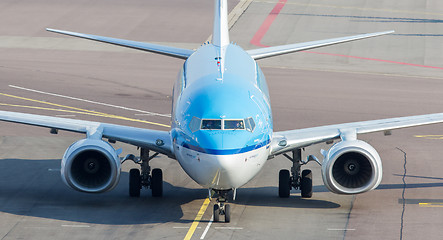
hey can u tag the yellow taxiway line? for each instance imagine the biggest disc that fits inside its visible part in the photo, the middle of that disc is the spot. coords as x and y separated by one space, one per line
197 219
435 137
430 204
74 110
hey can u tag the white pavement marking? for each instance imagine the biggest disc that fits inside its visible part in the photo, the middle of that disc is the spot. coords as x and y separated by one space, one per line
65 115
76 226
54 170
93 102
207 228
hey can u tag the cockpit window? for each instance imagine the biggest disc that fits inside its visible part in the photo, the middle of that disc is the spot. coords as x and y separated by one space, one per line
194 125
234 124
249 124
211 124
222 124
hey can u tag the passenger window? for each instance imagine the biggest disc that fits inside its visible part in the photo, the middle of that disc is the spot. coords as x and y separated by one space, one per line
250 124
211 124
234 124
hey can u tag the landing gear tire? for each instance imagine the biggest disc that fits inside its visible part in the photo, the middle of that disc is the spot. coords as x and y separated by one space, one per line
217 213
157 182
227 213
284 183
306 184
134 183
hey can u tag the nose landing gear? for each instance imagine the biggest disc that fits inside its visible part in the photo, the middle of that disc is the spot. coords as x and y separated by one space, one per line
221 207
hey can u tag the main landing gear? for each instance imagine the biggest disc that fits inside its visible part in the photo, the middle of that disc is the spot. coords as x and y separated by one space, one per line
221 207
297 179
145 179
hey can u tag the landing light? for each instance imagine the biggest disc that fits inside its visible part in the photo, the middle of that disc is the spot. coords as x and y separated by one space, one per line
159 142
282 143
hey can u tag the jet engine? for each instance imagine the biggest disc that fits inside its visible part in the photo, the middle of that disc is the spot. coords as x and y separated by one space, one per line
351 167
91 165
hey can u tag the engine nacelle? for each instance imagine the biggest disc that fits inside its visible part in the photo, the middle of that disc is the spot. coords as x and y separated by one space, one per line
351 167
91 165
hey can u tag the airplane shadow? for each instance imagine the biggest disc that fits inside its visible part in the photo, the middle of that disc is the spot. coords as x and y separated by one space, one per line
422 177
439 183
34 188
268 197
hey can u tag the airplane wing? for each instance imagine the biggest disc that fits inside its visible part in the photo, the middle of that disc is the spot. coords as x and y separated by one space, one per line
159 141
149 47
289 140
290 48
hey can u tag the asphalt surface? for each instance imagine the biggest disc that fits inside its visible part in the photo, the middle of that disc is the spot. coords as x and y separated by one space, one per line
389 76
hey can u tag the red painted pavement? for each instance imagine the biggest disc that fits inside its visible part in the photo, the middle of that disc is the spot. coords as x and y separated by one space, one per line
256 40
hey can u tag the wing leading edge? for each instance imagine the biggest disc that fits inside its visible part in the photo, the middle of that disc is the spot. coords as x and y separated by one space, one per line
149 47
159 141
288 140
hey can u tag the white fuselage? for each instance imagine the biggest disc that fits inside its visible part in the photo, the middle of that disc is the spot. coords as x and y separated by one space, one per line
221 120
222 171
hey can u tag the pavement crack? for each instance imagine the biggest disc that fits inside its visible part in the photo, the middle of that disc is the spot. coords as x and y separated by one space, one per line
403 194
349 217
13 227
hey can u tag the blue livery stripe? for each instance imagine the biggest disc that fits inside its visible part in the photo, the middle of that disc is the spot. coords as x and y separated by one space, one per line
226 151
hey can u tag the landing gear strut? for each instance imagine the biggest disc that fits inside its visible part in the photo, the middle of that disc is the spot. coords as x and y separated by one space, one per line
297 179
145 179
221 207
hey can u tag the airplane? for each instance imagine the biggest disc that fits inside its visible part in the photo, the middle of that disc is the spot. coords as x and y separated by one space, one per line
222 129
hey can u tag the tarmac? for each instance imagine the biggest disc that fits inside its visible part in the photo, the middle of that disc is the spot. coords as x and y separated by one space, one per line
389 76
